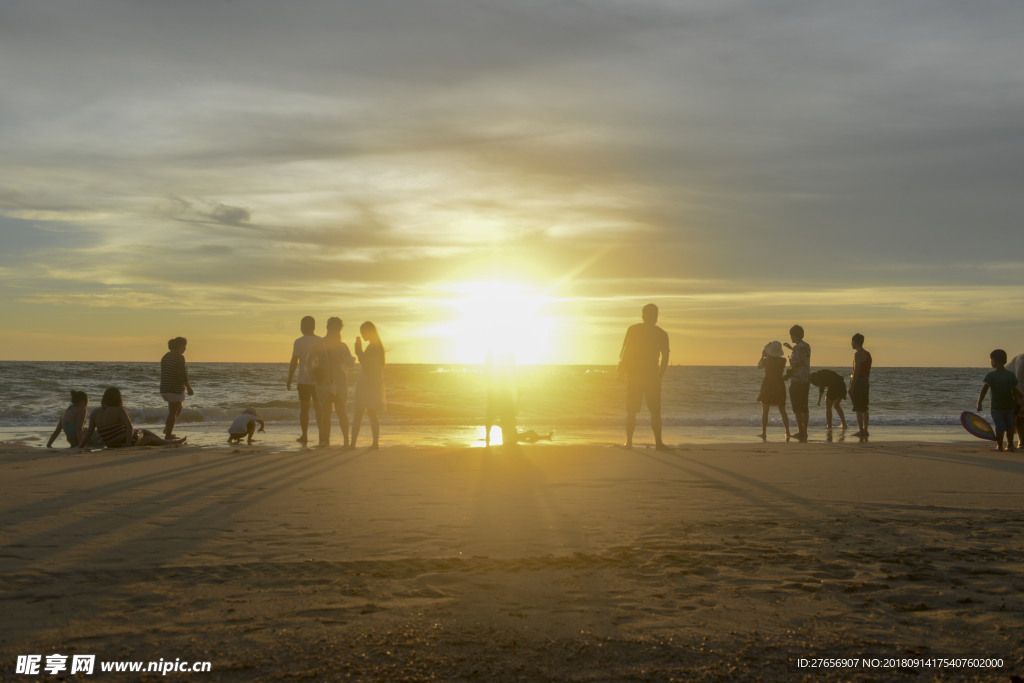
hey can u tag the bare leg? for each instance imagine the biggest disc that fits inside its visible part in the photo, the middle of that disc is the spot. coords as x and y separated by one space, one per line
316 412
840 413
304 421
828 413
764 419
173 410
148 438
374 427
324 424
357 421
656 426
862 423
785 418
630 428
342 411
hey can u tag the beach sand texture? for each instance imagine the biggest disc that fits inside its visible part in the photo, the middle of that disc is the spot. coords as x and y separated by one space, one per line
543 562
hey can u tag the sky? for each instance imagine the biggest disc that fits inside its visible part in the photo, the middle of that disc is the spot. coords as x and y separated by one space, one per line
461 170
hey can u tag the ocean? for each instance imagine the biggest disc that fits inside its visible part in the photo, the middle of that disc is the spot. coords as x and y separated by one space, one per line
445 404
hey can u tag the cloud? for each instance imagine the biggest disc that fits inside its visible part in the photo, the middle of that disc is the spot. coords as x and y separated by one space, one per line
186 155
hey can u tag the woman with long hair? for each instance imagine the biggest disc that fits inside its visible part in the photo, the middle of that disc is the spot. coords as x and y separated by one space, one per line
342 361
370 395
112 423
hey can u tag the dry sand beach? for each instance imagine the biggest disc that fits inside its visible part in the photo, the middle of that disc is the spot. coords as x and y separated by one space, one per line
544 562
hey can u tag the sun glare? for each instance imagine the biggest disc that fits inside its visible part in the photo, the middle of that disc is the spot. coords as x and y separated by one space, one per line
503 318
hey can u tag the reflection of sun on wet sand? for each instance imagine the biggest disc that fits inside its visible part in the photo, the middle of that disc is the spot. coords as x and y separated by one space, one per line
535 562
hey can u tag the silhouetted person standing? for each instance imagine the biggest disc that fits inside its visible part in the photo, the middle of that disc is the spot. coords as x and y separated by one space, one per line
174 382
306 386
371 396
800 384
859 382
638 361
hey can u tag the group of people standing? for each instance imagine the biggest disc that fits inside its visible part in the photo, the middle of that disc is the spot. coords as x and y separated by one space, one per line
773 386
643 361
320 367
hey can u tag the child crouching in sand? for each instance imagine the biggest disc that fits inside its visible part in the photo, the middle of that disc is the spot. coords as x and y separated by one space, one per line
245 426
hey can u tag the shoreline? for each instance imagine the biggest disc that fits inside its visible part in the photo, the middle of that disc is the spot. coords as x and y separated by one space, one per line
283 436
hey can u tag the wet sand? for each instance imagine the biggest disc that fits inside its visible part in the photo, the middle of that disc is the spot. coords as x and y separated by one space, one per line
543 562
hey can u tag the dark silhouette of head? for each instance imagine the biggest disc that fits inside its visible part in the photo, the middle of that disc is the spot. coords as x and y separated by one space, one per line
650 313
796 333
308 325
999 356
79 397
858 340
177 344
334 325
112 398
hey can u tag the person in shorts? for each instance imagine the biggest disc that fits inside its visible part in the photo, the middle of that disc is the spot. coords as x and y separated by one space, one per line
833 382
799 375
1003 385
245 426
639 362
859 387
306 385
174 382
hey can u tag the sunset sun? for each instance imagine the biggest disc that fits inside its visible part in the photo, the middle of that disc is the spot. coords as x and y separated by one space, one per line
500 317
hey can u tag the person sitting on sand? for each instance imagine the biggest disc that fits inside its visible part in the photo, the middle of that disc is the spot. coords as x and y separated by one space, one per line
836 386
773 387
859 386
245 425
1003 384
638 362
112 423
371 396
503 401
72 422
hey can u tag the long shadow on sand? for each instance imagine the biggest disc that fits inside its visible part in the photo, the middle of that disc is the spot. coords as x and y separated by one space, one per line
276 475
